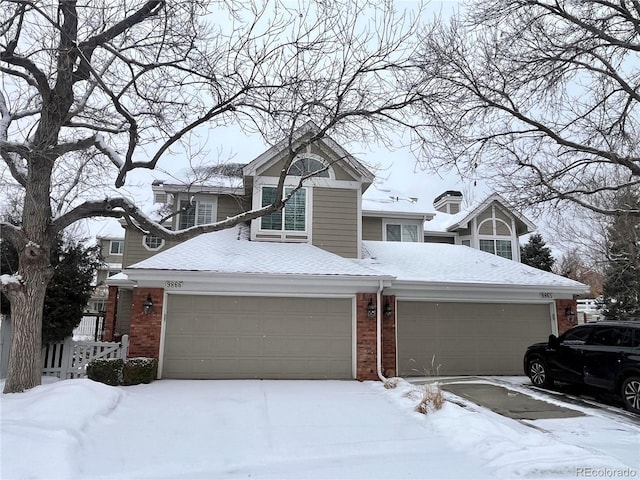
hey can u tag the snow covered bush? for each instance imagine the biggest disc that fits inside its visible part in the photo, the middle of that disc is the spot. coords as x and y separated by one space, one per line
106 370
139 370
115 371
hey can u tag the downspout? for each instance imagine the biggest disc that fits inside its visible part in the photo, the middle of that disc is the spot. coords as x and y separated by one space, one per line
379 332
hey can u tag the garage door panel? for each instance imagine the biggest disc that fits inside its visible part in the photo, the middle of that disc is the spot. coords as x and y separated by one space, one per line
224 345
467 338
296 367
257 337
201 345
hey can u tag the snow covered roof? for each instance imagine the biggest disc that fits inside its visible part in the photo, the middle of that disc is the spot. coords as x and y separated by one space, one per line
444 263
230 251
107 229
444 222
380 200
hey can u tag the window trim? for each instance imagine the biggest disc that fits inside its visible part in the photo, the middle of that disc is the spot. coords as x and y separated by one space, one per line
197 203
401 223
144 243
121 249
495 239
282 230
312 156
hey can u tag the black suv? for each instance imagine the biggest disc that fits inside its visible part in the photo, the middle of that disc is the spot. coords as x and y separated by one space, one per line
602 354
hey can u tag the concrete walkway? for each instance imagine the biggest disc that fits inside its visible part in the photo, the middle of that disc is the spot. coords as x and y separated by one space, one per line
508 403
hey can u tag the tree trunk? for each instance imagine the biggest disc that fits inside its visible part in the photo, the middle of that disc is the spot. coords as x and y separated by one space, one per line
27 297
25 369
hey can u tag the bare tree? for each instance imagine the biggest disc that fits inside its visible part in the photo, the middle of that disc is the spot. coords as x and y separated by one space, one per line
577 266
93 90
541 98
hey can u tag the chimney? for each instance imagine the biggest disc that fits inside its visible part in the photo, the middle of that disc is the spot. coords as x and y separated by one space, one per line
449 202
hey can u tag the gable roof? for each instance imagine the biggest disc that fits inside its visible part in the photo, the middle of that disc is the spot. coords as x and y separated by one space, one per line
444 222
309 128
457 264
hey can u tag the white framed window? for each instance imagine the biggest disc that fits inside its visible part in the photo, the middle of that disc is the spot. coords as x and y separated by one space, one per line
99 305
502 248
466 242
152 242
401 232
195 213
292 218
116 247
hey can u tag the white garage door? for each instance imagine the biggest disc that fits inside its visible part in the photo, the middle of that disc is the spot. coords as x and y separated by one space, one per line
467 338
213 337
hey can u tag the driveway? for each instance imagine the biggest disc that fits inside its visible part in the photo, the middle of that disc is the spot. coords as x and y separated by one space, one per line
272 429
171 429
516 398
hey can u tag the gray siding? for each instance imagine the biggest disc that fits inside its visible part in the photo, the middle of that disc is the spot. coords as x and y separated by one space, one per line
502 215
101 276
135 251
335 221
502 229
230 206
105 251
487 213
372 228
486 228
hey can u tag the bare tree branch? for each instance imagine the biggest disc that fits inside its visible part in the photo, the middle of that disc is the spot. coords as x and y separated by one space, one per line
540 98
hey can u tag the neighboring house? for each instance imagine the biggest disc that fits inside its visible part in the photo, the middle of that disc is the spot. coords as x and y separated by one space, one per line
111 251
344 282
589 310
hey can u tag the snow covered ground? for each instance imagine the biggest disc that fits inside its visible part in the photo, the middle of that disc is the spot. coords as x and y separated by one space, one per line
170 429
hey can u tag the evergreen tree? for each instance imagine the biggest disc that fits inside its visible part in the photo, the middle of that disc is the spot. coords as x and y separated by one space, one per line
621 289
536 254
74 267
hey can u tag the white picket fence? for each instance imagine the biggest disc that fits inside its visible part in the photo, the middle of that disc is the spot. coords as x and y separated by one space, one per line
90 327
69 359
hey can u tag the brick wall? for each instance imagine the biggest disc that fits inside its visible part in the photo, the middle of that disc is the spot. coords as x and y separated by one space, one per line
564 323
365 338
145 327
110 314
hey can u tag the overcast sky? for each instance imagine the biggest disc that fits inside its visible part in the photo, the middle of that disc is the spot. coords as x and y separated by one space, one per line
396 169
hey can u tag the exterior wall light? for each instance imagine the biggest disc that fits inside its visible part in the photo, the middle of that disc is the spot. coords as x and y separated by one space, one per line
371 309
387 310
570 314
147 305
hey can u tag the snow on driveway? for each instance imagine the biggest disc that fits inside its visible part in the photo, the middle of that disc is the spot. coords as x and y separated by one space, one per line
173 429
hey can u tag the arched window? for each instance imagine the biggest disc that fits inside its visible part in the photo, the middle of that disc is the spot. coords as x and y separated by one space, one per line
307 165
495 237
